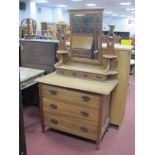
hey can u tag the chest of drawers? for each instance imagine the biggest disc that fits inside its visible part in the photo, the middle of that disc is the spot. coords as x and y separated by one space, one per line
69 108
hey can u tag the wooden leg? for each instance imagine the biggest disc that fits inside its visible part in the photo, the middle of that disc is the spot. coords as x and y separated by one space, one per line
43 128
98 142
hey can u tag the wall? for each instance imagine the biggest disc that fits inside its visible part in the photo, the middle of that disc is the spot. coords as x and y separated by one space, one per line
44 14
53 15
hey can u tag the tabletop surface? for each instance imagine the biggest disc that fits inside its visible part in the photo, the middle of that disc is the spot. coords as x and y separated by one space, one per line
40 40
79 84
28 73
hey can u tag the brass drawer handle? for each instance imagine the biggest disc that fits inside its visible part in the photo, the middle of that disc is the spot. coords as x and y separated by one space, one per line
83 129
74 74
84 114
61 72
85 76
85 98
98 77
53 106
53 121
53 92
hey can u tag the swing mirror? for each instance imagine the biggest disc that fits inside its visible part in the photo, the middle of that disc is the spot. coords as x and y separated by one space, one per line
86 25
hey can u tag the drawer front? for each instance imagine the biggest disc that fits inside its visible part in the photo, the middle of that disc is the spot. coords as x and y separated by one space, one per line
72 126
83 99
50 105
92 76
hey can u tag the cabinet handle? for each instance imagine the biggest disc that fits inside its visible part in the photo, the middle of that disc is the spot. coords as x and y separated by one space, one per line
85 76
98 77
74 74
61 72
85 98
83 129
53 121
84 114
53 106
53 92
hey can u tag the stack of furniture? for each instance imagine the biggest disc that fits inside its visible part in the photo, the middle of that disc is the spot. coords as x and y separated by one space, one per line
76 98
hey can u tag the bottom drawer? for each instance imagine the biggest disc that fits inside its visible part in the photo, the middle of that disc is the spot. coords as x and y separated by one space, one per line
71 126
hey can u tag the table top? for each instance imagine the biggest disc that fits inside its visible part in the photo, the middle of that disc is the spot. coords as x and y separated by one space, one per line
39 40
79 84
28 73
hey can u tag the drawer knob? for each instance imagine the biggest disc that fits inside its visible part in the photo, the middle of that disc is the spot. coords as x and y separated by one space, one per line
53 106
53 92
84 114
53 121
83 129
85 98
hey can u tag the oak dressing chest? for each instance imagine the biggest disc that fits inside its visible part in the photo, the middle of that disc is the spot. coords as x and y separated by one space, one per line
76 98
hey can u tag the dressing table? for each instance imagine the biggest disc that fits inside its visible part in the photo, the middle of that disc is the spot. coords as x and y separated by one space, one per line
76 97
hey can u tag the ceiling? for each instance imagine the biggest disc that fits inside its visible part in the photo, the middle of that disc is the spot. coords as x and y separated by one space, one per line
109 5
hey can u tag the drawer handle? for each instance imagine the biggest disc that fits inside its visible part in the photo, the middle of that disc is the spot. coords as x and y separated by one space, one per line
84 114
85 98
98 77
85 76
74 74
53 106
53 121
53 92
61 72
83 129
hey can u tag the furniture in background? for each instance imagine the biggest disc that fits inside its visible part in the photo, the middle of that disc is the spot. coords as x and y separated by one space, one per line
22 140
28 85
38 54
48 30
28 76
132 63
28 28
76 98
123 35
118 100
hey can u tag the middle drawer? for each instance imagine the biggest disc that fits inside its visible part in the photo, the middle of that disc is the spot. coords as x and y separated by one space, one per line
69 109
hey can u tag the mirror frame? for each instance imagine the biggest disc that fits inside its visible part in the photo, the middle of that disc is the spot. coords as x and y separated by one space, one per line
74 12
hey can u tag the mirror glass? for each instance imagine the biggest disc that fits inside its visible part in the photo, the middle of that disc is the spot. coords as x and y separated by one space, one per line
85 31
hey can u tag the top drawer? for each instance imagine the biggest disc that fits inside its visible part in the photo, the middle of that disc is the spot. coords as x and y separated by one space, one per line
79 97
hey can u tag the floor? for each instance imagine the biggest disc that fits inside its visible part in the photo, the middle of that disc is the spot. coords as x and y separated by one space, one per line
115 142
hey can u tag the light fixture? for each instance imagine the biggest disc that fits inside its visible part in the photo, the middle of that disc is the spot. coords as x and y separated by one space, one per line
42 1
76 0
90 4
62 6
130 9
125 3
108 12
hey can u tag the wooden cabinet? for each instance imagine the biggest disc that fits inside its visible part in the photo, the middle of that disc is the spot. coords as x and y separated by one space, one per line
38 54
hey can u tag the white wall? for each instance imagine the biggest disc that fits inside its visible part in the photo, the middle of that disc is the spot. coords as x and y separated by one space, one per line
24 13
44 14
53 15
